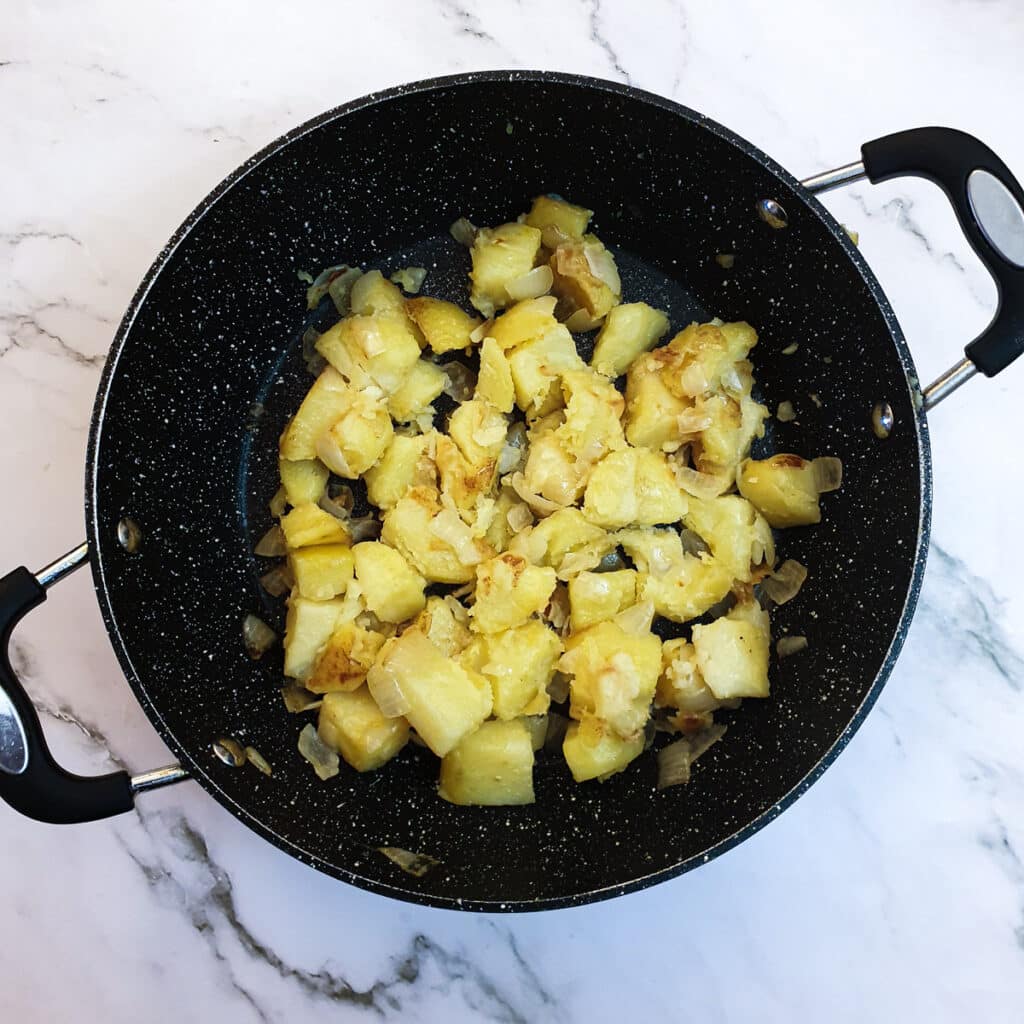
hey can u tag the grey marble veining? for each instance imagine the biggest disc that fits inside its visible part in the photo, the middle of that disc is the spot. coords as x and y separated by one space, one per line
895 887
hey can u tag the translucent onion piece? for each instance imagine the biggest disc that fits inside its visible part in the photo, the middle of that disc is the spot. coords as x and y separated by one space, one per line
415 864
410 279
786 413
318 289
558 688
513 455
278 503
700 485
532 285
480 332
257 636
330 454
557 611
519 517
828 474
363 528
637 619
460 381
541 506
790 350
580 321
674 764
704 740
788 645
278 581
298 698
338 501
387 692
257 760
464 232
725 260
602 266
693 543
557 726
324 760
340 289
693 421
785 583
538 726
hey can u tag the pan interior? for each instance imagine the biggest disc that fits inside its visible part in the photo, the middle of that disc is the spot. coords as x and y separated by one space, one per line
208 367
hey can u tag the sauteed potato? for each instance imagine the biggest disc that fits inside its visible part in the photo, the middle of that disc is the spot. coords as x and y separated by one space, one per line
521 548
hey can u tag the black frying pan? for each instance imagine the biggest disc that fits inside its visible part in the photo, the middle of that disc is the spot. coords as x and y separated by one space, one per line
206 367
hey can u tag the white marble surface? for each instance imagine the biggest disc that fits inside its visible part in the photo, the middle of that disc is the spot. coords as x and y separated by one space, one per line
894 888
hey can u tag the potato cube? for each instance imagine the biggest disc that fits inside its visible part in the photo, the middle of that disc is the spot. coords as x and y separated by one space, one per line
564 536
445 326
553 472
783 488
358 439
633 486
681 685
491 767
374 293
445 623
519 664
702 355
309 525
598 596
413 397
392 588
511 515
526 321
324 404
303 480
629 329
479 430
739 537
594 751
586 276
380 349
351 724
461 480
436 541
442 700
537 366
322 572
345 660
405 463
308 627
652 411
593 416
508 591
558 220
695 585
615 674
500 256
732 652
494 381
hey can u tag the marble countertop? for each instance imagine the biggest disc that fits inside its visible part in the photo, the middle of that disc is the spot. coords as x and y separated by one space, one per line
895 887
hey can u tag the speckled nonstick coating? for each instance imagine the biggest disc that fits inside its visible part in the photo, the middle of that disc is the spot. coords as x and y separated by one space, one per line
179 444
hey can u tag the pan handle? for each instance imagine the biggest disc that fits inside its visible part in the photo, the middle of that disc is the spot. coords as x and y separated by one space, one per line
989 204
31 781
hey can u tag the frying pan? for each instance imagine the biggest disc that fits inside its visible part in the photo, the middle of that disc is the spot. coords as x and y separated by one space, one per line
206 367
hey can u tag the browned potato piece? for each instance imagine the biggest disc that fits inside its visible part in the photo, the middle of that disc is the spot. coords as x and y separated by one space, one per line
445 326
783 488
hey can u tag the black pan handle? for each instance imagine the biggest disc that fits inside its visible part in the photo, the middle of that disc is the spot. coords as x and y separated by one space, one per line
31 781
989 203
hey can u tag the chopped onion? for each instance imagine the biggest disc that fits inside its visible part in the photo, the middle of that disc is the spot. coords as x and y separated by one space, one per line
338 500
330 454
363 528
637 619
790 350
257 760
410 279
788 645
557 610
704 740
693 543
298 698
541 506
324 760
725 260
786 413
602 266
387 691
464 232
693 420
674 764
480 332
448 526
340 289
532 285
785 583
519 517
278 581
557 726
581 321
257 636
558 688
816 399
538 726
415 864
319 288
513 455
278 503
828 474
460 381
700 485
313 361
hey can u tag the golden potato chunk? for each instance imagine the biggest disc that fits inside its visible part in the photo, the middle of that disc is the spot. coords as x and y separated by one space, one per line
681 684
303 480
351 724
494 381
783 488
324 404
392 588
406 463
345 660
415 394
309 525
558 220
634 486
445 623
738 535
308 627
628 330
443 701
594 751
652 412
695 585
586 276
491 767
322 572
732 652
598 596
445 326
566 541
537 367
379 349
508 591
374 293
358 439
526 321
500 256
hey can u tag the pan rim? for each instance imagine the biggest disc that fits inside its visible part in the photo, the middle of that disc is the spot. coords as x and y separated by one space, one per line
199 772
